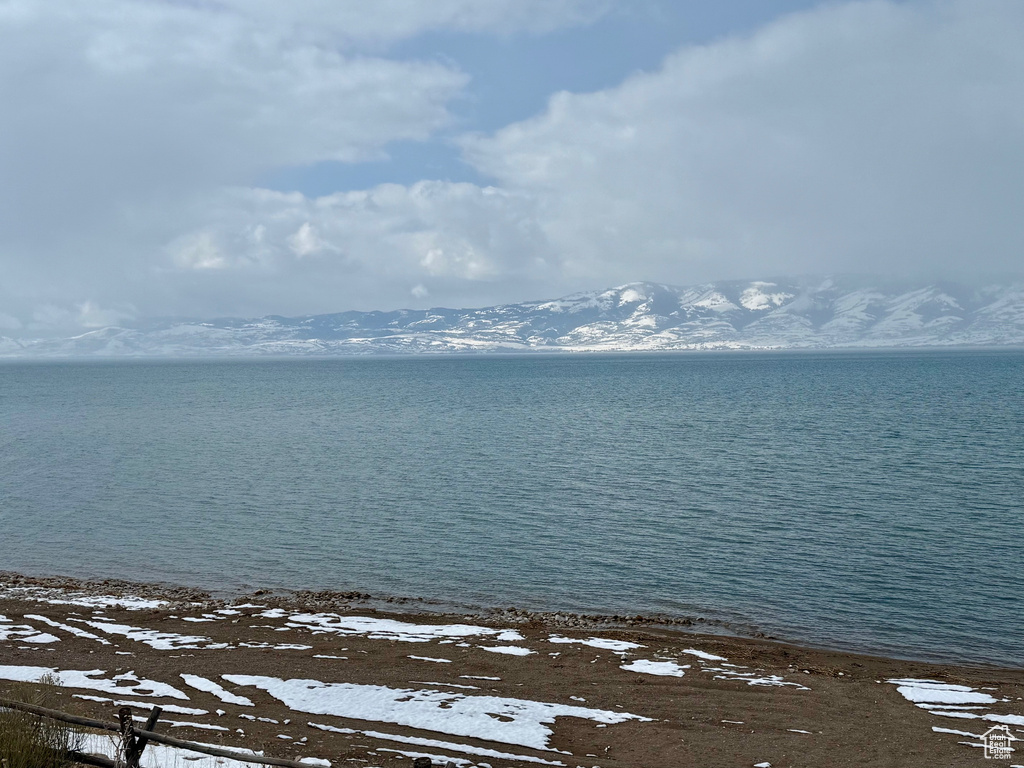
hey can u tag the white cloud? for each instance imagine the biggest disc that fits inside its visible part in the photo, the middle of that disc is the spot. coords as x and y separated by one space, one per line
198 251
305 241
150 95
848 138
865 136
358 249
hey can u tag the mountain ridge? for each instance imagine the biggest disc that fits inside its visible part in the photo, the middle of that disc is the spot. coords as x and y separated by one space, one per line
834 312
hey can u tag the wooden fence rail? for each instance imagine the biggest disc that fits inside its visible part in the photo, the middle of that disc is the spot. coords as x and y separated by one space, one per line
134 740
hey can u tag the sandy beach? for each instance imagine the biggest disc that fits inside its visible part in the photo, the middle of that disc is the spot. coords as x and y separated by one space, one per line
344 678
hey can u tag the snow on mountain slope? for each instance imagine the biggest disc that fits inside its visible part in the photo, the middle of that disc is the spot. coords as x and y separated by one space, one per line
803 313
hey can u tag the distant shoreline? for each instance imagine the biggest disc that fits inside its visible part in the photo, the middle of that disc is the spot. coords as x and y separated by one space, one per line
539 352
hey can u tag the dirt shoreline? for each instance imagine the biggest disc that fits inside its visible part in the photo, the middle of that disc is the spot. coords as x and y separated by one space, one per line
382 679
333 599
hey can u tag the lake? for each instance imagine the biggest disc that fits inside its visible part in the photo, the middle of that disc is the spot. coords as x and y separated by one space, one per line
862 501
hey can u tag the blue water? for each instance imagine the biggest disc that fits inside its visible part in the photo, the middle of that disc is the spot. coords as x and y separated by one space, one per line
869 501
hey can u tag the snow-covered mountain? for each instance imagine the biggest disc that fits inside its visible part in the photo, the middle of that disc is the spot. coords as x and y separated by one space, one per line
821 313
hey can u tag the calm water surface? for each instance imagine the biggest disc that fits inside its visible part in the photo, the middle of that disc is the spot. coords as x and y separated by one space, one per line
865 501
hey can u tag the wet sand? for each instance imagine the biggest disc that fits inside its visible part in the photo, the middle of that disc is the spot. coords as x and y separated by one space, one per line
357 681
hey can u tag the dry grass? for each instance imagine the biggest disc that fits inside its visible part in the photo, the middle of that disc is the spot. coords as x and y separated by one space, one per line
30 741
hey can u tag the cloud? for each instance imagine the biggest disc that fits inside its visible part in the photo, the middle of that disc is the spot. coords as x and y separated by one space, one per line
360 24
865 136
306 241
849 138
118 115
199 251
348 249
115 112
124 98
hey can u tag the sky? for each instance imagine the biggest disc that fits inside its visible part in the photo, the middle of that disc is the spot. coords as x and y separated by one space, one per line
210 158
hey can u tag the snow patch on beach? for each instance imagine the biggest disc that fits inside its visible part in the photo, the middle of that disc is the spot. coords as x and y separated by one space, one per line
726 671
936 729
181 724
509 650
172 708
161 641
957 701
387 629
421 742
493 718
753 678
23 633
449 685
76 631
271 646
209 686
663 668
63 597
161 756
704 655
91 680
41 638
598 642
938 692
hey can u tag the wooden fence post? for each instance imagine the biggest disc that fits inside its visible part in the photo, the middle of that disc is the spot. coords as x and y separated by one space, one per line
128 754
150 725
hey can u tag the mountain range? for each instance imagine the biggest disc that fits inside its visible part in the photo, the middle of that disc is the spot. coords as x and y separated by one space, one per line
793 313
